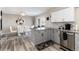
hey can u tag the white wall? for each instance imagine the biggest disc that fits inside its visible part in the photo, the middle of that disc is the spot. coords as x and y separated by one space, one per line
77 16
48 13
10 20
49 24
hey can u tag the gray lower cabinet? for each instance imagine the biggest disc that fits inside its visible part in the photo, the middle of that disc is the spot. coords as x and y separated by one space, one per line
44 36
57 36
48 34
52 34
39 36
77 41
35 37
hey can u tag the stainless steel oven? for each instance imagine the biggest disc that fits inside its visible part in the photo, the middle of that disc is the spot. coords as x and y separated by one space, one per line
63 40
67 41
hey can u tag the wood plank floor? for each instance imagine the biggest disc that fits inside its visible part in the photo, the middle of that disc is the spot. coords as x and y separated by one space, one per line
22 44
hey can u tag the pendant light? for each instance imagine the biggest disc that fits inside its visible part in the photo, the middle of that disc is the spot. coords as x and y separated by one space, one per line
20 19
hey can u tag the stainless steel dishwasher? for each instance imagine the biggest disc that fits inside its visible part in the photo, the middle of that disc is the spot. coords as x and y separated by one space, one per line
71 41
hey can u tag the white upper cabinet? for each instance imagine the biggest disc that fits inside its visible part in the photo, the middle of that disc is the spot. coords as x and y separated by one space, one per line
64 15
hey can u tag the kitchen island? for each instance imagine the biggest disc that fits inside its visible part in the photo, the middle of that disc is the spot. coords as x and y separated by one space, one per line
39 36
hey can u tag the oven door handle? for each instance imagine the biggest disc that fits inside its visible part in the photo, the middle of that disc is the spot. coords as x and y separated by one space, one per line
70 33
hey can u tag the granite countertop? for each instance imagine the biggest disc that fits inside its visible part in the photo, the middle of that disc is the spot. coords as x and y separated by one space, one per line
73 31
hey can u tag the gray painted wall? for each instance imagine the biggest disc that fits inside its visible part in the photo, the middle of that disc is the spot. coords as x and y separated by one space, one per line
10 20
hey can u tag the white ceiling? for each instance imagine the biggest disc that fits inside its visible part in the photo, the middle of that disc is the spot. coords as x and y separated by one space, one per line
31 11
